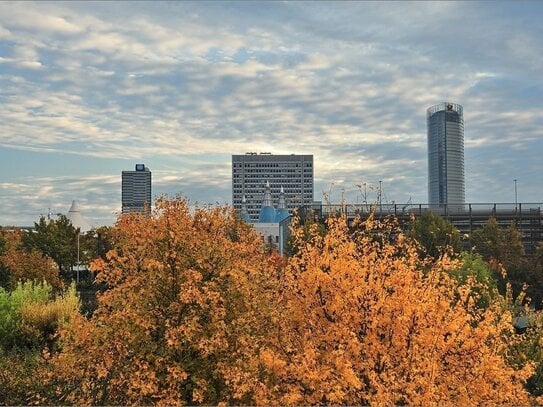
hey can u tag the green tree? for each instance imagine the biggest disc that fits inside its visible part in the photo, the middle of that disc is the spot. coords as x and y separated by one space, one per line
4 272
485 280
503 245
56 239
503 249
99 242
435 234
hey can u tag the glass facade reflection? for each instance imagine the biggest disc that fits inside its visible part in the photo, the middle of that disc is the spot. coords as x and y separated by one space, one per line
445 154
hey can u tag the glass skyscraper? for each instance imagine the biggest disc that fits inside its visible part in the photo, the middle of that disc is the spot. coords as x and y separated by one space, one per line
136 190
446 154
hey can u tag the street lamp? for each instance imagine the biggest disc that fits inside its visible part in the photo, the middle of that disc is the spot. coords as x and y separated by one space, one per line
515 194
380 196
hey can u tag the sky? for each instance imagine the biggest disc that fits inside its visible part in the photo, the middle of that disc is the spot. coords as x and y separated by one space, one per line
89 89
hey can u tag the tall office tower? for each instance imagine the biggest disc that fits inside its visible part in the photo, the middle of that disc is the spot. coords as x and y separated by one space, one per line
445 154
136 190
251 171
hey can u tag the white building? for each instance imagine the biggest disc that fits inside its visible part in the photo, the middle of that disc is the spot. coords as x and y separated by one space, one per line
272 223
291 173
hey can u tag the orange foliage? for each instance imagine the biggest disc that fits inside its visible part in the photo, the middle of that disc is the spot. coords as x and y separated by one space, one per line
363 324
27 266
197 313
188 308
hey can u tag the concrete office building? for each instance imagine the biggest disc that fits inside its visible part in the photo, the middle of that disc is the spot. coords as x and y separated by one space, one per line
446 154
136 190
251 172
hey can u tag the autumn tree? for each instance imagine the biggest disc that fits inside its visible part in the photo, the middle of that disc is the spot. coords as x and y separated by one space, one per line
197 313
435 234
55 238
18 264
363 324
189 305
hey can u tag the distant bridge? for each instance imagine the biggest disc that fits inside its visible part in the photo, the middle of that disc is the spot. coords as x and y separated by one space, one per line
528 217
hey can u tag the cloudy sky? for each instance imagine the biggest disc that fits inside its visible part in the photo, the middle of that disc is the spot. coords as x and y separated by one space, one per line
90 89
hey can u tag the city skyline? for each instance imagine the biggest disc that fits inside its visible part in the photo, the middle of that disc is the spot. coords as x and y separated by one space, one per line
91 89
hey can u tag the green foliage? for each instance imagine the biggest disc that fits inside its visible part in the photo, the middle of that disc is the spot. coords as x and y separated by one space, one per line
435 234
96 243
30 316
4 271
56 239
485 285
529 349
503 245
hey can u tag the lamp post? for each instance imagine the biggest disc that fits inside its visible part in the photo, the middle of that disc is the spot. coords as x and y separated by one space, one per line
380 196
516 200
77 264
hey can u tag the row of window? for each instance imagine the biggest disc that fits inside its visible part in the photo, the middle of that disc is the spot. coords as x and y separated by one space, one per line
271 171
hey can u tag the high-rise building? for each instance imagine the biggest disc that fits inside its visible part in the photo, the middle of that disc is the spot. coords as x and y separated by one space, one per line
136 190
251 172
445 154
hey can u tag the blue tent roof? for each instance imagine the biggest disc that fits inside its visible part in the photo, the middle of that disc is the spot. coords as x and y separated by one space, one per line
267 215
281 215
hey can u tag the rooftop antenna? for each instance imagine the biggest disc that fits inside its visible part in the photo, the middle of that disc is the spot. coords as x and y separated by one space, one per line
407 204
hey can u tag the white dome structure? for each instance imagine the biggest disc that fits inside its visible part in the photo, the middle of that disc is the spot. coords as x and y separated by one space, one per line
77 220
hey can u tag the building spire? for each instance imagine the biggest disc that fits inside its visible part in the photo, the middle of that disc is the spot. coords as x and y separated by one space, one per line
244 213
282 201
267 202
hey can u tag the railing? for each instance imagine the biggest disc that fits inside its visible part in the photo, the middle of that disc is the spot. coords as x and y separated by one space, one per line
467 209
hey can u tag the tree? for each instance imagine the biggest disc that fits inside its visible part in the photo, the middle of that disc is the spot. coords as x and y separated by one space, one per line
484 280
366 322
502 248
188 308
98 242
4 272
197 313
18 264
435 234
56 239
503 245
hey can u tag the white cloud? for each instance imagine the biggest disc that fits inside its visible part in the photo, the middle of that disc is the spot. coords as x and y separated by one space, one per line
349 83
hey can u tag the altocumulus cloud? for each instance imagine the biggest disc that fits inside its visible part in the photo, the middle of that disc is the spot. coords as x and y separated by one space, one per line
88 89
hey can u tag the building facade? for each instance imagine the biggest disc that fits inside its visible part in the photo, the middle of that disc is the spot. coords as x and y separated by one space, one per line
273 222
136 190
446 154
251 172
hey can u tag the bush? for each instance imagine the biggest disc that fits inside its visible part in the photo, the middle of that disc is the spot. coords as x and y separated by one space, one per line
30 316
